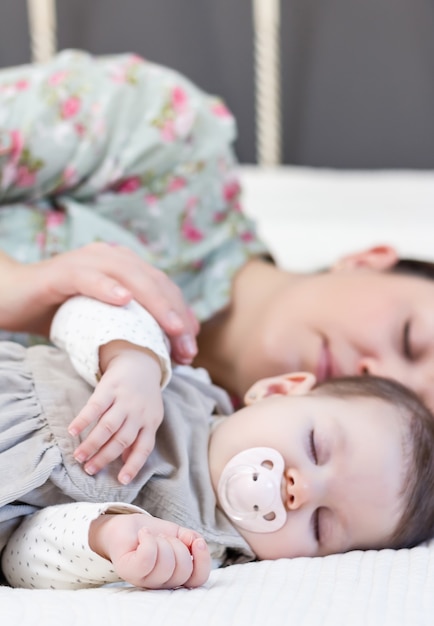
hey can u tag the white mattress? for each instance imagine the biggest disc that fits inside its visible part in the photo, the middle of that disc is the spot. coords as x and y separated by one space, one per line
384 588
311 216
308 217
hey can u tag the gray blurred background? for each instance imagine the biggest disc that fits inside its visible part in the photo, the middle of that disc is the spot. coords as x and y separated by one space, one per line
358 75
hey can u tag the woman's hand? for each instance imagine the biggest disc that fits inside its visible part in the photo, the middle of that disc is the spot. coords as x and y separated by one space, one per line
31 293
149 552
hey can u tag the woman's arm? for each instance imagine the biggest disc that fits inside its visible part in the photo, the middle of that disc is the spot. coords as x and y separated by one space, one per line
31 293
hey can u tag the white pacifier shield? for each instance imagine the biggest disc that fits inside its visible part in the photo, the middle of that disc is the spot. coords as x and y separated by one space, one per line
249 490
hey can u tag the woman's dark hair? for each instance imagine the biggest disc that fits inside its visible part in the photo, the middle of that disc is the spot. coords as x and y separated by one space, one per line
414 267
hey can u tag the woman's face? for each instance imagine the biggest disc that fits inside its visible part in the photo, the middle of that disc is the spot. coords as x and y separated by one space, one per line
347 322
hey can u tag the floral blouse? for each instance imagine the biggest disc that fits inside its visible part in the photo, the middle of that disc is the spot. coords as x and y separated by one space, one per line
122 150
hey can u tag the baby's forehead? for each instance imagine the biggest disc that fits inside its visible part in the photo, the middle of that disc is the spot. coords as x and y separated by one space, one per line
373 412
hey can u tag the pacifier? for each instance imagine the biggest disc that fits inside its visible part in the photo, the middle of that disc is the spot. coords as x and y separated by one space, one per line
249 490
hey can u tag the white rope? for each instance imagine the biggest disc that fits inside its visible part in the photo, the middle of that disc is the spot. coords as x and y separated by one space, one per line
42 27
266 20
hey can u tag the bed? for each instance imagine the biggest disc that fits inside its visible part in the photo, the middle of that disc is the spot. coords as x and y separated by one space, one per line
309 217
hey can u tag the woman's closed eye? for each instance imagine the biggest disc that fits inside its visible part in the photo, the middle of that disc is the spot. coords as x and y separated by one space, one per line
407 347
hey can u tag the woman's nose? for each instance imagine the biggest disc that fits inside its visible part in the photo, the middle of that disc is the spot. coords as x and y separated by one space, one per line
297 489
368 366
382 366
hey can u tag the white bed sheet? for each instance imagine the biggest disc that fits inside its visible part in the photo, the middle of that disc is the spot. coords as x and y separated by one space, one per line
384 588
308 217
311 216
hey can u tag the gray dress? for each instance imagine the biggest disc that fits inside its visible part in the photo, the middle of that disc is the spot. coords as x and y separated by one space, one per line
40 393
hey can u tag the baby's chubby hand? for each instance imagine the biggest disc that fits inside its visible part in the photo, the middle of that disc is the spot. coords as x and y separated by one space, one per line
125 410
149 552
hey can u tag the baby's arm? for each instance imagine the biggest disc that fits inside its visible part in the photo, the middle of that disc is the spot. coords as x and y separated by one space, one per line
82 325
126 407
77 545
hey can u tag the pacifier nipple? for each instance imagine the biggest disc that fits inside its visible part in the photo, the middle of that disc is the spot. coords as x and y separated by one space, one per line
249 490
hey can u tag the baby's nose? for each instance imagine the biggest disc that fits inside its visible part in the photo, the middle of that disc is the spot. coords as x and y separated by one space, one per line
297 489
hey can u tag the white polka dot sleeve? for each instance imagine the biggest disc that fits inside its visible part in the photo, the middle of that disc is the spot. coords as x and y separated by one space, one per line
50 549
82 325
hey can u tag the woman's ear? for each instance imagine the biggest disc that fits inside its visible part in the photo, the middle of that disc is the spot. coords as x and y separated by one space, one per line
379 258
294 384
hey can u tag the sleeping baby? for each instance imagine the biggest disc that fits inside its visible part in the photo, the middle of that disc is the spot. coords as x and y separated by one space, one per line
301 470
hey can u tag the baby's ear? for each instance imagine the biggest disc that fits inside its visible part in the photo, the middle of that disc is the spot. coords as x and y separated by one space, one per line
294 384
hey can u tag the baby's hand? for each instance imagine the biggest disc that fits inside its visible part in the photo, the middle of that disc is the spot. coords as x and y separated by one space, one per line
149 552
126 409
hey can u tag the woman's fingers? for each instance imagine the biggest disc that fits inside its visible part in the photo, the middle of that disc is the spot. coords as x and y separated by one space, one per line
115 274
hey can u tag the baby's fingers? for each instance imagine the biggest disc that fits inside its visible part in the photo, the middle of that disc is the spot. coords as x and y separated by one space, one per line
90 413
106 441
137 455
173 565
201 563
200 554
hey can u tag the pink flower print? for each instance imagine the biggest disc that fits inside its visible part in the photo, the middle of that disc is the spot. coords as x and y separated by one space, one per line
22 85
231 190
70 107
135 59
197 265
190 232
124 73
143 238
184 115
247 236
80 129
57 78
179 99
153 205
128 185
176 183
17 145
118 74
220 110
54 219
25 176
184 122
219 216
69 176
151 199
191 204
168 131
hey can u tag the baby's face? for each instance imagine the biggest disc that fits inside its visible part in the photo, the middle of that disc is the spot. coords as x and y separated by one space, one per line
343 470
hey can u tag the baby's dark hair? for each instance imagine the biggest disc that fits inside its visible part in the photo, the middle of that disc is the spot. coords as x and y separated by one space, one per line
417 521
